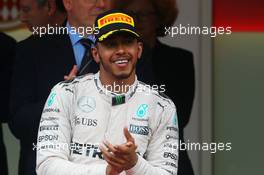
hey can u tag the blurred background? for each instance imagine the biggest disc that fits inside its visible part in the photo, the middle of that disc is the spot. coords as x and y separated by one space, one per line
229 95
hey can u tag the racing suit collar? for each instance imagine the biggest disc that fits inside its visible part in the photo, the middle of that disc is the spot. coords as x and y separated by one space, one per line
112 97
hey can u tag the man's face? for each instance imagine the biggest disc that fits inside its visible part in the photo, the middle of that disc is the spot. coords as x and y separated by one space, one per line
33 15
118 55
82 13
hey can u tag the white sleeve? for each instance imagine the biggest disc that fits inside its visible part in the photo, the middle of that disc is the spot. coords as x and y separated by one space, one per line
162 153
54 138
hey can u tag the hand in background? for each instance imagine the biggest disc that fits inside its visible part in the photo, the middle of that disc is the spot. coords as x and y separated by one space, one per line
72 73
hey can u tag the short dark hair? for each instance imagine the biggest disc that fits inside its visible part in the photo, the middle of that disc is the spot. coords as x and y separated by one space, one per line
166 12
59 4
41 2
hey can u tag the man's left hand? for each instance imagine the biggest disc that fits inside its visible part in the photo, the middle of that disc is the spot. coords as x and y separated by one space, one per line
121 157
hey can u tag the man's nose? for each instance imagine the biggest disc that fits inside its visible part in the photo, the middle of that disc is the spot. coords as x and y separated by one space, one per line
120 49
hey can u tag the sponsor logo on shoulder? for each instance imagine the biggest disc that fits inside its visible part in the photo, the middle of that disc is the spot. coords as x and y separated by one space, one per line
48 119
56 110
141 114
49 127
142 110
174 120
51 99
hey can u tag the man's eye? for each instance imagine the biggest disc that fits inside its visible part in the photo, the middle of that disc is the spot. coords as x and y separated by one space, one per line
110 44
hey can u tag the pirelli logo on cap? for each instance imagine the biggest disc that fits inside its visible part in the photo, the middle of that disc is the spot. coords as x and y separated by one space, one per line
115 18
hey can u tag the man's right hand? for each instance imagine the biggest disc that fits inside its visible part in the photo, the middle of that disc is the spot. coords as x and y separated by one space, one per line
72 73
120 157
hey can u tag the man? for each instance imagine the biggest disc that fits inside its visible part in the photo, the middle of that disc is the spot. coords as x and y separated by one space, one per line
25 97
134 126
181 87
80 16
40 13
40 64
7 51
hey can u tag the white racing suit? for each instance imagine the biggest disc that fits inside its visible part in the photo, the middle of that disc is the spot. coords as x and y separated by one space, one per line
80 114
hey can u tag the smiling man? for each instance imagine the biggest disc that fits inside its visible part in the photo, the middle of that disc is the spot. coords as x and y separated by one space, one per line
99 131
117 50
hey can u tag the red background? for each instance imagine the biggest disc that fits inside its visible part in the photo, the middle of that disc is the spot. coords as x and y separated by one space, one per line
241 15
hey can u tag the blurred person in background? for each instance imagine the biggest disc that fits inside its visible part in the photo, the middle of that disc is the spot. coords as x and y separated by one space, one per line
33 13
42 62
7 51
152 17
41 13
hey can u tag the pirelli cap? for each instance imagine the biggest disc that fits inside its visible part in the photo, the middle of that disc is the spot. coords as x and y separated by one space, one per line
114 21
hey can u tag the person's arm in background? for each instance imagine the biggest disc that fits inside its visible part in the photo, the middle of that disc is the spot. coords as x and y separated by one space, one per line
186 88
7 51
25 106
181 87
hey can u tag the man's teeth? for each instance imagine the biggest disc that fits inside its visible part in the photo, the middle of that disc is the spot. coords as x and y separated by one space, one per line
121 61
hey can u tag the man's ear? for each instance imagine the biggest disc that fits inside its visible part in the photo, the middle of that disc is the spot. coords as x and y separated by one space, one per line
52 7
67 4
95 54
140 49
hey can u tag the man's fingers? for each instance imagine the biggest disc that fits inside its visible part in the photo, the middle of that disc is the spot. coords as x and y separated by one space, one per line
125 148
105 152
128 135
110 147
66 77
129 144
111 157
74 71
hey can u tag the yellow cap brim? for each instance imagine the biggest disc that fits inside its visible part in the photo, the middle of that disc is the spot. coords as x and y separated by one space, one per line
104 36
